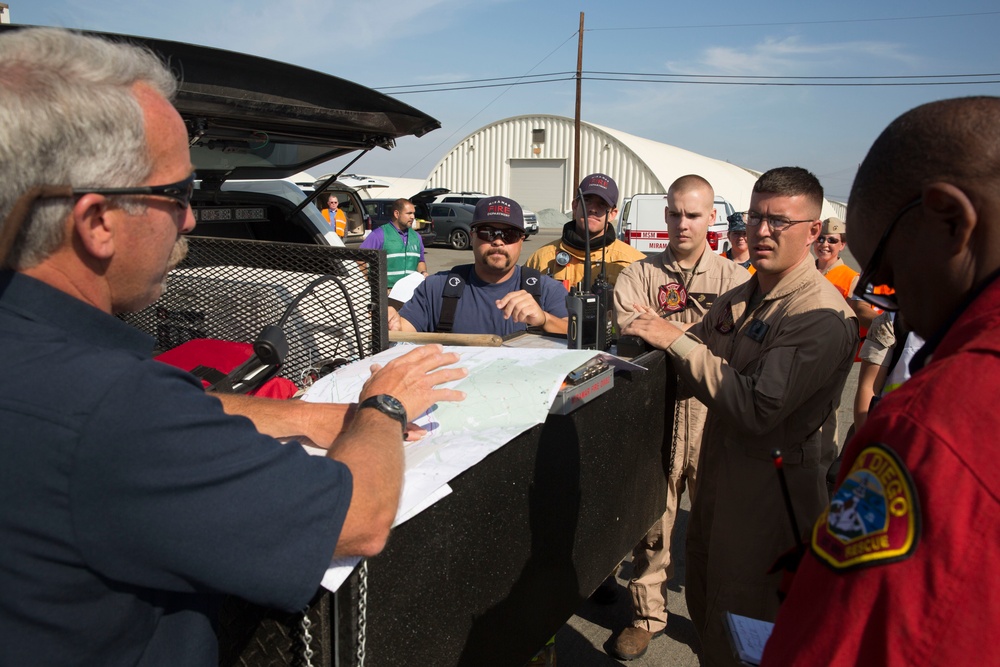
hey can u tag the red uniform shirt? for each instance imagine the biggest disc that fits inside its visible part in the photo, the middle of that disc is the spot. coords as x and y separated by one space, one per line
904 569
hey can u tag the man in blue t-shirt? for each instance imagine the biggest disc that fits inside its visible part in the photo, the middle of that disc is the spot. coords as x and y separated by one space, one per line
496 298
404 249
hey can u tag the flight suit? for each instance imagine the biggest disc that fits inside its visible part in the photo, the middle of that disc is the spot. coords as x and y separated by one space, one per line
771 371
683 296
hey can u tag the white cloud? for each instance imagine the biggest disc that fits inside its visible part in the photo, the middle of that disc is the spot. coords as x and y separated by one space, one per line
792 56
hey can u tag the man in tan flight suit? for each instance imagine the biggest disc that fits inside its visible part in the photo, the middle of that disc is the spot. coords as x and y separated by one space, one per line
680 284
769 360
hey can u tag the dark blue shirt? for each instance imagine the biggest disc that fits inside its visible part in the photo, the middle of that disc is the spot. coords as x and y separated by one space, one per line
477 310
130 502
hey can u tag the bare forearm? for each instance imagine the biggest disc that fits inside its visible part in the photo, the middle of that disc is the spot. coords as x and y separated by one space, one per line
555 325
372 449
315 423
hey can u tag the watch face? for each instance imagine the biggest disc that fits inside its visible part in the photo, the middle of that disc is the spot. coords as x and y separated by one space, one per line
391 404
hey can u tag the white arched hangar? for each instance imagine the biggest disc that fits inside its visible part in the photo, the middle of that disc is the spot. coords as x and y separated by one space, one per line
530 159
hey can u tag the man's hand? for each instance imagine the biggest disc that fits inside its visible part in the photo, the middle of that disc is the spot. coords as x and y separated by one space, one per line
522 307
413 379
395 323
652 328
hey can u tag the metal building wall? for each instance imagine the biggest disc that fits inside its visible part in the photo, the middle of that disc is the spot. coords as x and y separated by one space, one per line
481 161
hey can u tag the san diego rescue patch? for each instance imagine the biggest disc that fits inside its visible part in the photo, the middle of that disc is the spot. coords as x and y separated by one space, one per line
874 518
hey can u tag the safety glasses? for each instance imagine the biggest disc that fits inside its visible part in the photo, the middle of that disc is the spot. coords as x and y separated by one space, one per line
509 234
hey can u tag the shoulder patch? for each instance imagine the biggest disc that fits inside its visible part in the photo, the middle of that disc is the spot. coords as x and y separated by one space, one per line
874 517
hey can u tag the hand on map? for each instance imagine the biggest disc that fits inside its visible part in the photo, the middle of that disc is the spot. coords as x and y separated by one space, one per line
413 379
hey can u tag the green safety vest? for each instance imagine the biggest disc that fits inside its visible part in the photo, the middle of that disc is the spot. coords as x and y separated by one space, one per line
399 259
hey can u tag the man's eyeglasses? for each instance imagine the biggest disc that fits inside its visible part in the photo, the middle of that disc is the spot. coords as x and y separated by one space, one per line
180 192
865 289
509 235
777 223
832 240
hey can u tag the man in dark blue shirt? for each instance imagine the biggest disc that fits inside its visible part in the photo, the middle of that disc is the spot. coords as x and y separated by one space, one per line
494 295
130 501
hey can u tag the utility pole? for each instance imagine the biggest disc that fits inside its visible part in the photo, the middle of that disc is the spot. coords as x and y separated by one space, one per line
576 118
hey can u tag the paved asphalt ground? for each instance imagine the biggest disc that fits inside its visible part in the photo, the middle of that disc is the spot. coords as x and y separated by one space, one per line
586 638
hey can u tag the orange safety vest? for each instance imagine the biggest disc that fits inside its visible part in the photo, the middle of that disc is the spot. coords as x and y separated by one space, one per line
341 218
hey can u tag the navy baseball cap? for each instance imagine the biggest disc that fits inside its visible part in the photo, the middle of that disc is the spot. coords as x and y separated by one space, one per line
498 211
736 222
601 185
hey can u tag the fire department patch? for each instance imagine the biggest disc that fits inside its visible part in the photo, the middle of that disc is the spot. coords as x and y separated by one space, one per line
874 518
726 322
672 297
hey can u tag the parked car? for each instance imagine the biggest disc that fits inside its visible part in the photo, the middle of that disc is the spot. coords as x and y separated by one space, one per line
530 218
380 212
453 224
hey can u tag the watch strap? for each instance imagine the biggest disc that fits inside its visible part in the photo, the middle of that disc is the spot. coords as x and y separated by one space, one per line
387 405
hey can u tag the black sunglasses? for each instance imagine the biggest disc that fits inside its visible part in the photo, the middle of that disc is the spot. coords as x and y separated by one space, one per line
865 289
832 240
180 192
509 235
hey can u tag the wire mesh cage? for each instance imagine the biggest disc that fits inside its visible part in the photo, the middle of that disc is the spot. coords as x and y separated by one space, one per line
332 305
330 302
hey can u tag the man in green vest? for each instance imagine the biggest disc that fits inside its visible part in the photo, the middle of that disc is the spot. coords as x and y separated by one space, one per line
404 249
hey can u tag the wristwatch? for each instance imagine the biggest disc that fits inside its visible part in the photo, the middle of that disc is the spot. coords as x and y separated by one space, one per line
387 405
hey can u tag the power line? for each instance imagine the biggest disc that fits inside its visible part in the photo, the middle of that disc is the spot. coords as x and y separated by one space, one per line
782 23
722 80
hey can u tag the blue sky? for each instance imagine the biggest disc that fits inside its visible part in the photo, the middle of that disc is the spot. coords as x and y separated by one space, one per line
382 43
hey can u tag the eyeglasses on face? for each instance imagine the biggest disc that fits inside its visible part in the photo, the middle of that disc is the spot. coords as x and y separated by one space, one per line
490 234
180 192
865 289
832 240
776 223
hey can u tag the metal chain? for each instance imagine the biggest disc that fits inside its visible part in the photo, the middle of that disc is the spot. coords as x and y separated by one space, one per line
362 610
307 652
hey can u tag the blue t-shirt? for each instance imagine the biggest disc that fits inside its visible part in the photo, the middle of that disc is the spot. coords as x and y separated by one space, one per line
477 310
376 239
130 502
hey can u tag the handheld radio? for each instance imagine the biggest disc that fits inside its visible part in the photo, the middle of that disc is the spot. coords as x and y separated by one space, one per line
588 311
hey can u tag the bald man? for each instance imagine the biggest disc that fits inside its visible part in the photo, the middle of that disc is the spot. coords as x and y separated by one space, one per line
924 471
680 284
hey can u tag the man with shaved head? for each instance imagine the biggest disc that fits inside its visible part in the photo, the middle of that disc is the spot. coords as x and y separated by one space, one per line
680 284
908 582
769 359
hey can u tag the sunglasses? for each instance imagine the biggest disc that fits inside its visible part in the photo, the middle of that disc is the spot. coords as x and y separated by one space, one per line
509 235
865 288
832 240
180 192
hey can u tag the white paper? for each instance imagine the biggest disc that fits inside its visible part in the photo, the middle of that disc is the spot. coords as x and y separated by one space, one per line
748 637
508 391
404 288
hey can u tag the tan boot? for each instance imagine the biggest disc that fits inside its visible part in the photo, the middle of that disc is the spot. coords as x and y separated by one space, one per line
632 643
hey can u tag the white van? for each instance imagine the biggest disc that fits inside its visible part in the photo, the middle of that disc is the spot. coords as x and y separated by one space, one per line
643 225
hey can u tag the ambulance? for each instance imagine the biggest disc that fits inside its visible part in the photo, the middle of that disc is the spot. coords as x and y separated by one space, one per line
643 225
